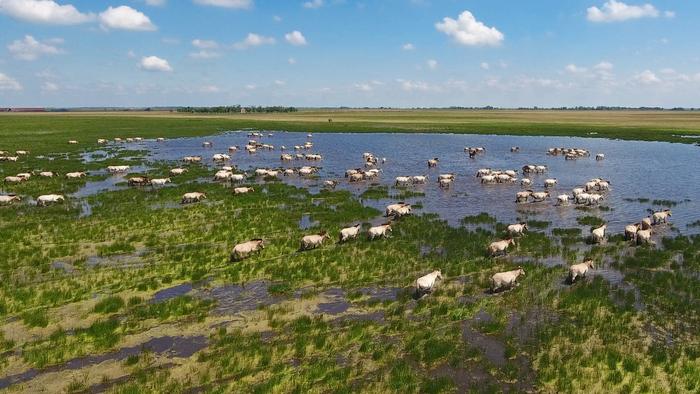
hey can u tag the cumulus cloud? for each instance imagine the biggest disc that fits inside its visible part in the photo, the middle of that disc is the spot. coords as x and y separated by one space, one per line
239 4
44 11
485 66
313 4
8 83
647 77
408 47
154 63
466 30
254 40
125 18
617 11
432 64
30 48
295 38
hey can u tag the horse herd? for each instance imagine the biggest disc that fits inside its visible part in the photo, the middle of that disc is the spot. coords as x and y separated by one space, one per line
590 193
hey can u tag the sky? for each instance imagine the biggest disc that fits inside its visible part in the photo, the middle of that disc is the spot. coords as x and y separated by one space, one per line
359 53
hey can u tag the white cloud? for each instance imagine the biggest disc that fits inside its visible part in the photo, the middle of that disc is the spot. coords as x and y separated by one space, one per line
466 30
170 41
31 49
44 11
603 66
254 40
250 87
204 44
574 69
156 3
647 77
408 47
154 63
617 11
485 66
49 87
292 60
539 82
412 86
364 87
209 89
295 38
8 83
125 18
204 54
313 4
238 4
279 82
367 86
432 64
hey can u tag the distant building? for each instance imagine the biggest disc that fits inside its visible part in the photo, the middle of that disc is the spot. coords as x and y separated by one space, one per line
243 110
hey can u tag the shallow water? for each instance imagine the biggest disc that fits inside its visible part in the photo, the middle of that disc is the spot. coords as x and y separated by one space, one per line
108 184
306 222
336 304
233 299
171 292
169 346
671 174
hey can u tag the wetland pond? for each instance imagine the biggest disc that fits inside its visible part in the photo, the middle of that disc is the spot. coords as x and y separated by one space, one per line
643 175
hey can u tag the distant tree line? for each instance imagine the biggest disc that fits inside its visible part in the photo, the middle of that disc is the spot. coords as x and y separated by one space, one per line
235 109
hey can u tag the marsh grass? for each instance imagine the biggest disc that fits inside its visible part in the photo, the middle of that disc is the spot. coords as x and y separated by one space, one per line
590 221
482 218
592 337
109 305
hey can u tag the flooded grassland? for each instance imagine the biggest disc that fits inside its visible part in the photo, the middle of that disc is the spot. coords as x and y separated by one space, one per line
123 289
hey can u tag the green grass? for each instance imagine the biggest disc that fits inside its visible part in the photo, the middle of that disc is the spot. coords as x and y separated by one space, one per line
109 305
593 221
583 337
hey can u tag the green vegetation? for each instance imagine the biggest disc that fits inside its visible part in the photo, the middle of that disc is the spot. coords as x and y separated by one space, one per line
21 129
341 318
593 221
482 218
384 192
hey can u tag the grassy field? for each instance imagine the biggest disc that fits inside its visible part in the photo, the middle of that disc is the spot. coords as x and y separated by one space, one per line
32 129
140 295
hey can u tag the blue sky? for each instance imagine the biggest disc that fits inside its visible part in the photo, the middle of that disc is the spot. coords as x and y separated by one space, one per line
400 53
